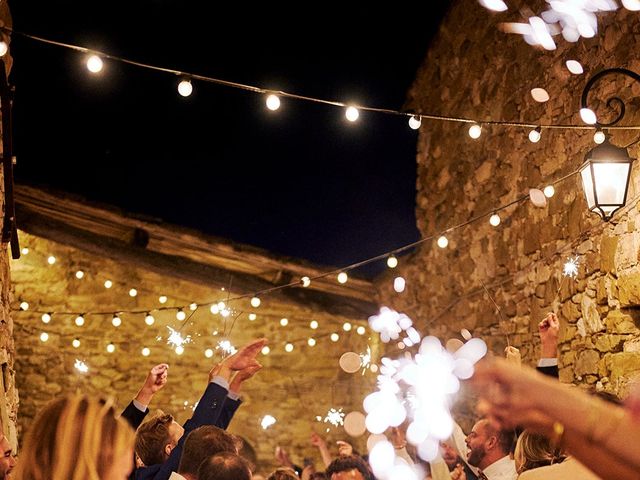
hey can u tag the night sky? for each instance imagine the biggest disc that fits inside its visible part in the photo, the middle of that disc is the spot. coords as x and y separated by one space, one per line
302 181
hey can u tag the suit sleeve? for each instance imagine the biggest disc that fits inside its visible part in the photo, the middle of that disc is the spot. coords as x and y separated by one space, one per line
551 371
228 411
133 415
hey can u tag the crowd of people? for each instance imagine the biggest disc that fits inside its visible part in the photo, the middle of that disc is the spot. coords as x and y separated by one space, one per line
530 427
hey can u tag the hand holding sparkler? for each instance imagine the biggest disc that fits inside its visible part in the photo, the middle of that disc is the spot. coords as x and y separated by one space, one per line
244 375
344 448
242 359
155 381
512 354
549 329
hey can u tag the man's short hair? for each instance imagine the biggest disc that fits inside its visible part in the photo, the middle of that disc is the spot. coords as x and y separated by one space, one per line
151 438
349 462
283 473
224 466
202 443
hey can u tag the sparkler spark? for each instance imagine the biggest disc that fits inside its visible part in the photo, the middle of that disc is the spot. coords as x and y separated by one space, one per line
267 421
226 347
365 359
571 267
334 417
390 325
176 339
81 366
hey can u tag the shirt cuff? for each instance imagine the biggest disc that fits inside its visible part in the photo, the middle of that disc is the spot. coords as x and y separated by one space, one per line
233 395
218 380
548 362
140 406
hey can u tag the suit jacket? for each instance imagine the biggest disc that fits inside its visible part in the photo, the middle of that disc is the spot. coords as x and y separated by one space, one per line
567 470
551 371
133 415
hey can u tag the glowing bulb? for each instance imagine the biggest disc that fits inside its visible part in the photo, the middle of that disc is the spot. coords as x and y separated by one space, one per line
267 421
443 242
79 274
255 302
361 330
149 320
108 284
46 318
399 284
475 131
145 352
252 316
343 277
4 48
44 336
335 337
193 307
311 342
111 348
289 347
346 326
94 64
352 114
76 343
24 251
24 306
633 5
273 102
284 322
415 122
574 67
495 5
265 350
588 116
313 324
392 262
180 315
179 350
116 321
306 281
185 88
534 135
79 320
549 191
51 260
599 137
163 299
214 309
208 353
540 95
494 220
133 292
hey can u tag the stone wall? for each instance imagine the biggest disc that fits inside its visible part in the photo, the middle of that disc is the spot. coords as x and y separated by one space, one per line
293 387
474 70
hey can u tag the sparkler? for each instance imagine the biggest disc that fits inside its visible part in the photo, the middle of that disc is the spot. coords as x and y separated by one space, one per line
226 347
81 366
267 421
571 267
176 339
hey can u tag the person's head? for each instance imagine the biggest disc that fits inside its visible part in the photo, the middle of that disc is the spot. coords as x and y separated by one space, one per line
283 473
156 438
224 466
77 438
487 444
318 476
449 455
533 451
202 443
7 460
348 467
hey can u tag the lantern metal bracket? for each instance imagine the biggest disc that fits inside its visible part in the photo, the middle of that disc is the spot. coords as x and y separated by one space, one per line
615 103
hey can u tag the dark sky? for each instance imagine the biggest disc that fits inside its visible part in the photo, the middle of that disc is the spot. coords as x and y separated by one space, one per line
301 181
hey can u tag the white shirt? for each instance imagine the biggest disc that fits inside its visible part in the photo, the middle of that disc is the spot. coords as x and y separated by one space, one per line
176 476
503 469
568 469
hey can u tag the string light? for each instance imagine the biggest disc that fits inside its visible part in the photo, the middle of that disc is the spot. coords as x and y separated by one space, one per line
79 320
495 5
549 191
288 347
81 366
475 131
334 337
255 302
392 261
108 284
51 259
185 88
361 330
162 299
311 342
313 324
343 277
179 350
111 347
180 315
208 353
133 292
306 281
252 317
4 48
494 220
24 251
284 322
599 137
24 306
535 134
75 343
145 352
214 309
149 320
399 284
46 317
352 114
574 67
44 336
539 95
588 116
346 326
415 122
443 242
193 307
94 64
265 350
79 274
116 321
273 102
267 421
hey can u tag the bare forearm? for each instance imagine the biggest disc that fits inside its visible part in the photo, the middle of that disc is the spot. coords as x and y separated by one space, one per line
144 396
326 456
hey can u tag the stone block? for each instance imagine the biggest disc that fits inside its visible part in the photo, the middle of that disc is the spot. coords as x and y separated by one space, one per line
590 315
608 246
618 322
587 362
609 343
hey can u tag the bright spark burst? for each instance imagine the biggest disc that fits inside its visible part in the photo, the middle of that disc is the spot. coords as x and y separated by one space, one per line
81 366
334 417
390 325
571 267
226 347
267 421
176 339
365 359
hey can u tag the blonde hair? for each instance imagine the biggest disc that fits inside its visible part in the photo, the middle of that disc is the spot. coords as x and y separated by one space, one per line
534 450
73 438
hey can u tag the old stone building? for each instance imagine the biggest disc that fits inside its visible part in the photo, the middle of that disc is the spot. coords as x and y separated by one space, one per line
477 71
76 250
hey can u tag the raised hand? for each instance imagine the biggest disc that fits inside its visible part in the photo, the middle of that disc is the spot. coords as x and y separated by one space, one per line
243 375
246 356
549 329
155 381
344 448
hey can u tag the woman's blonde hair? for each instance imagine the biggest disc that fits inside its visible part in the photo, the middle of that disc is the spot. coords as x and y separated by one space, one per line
533 451
74 438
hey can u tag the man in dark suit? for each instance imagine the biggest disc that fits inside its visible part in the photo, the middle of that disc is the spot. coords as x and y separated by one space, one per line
138 408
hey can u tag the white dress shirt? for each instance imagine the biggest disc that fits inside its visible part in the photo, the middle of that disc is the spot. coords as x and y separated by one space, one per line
503 469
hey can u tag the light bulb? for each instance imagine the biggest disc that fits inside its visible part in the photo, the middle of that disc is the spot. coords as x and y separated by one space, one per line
574 67
540 95
475 131
311 342
79 274
180 315
443 242
108 284
284 322
44 336
79 320
185 88
343 277
415 122
111 348
399 284
495 5
208 353
549 191
534 135
352 114
116 321
76 343
133 292
24 306
401 345
361 330
346 326
588 116
4 48
94 64
222 305
599 137
193 307
179 350
306 281
145 352
265 350
51 260
255 302
252 316
46 318
494 220
335 337
289 347
273 102
313 324
392 262
214 309
225 312
162 299
24 251
149 320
